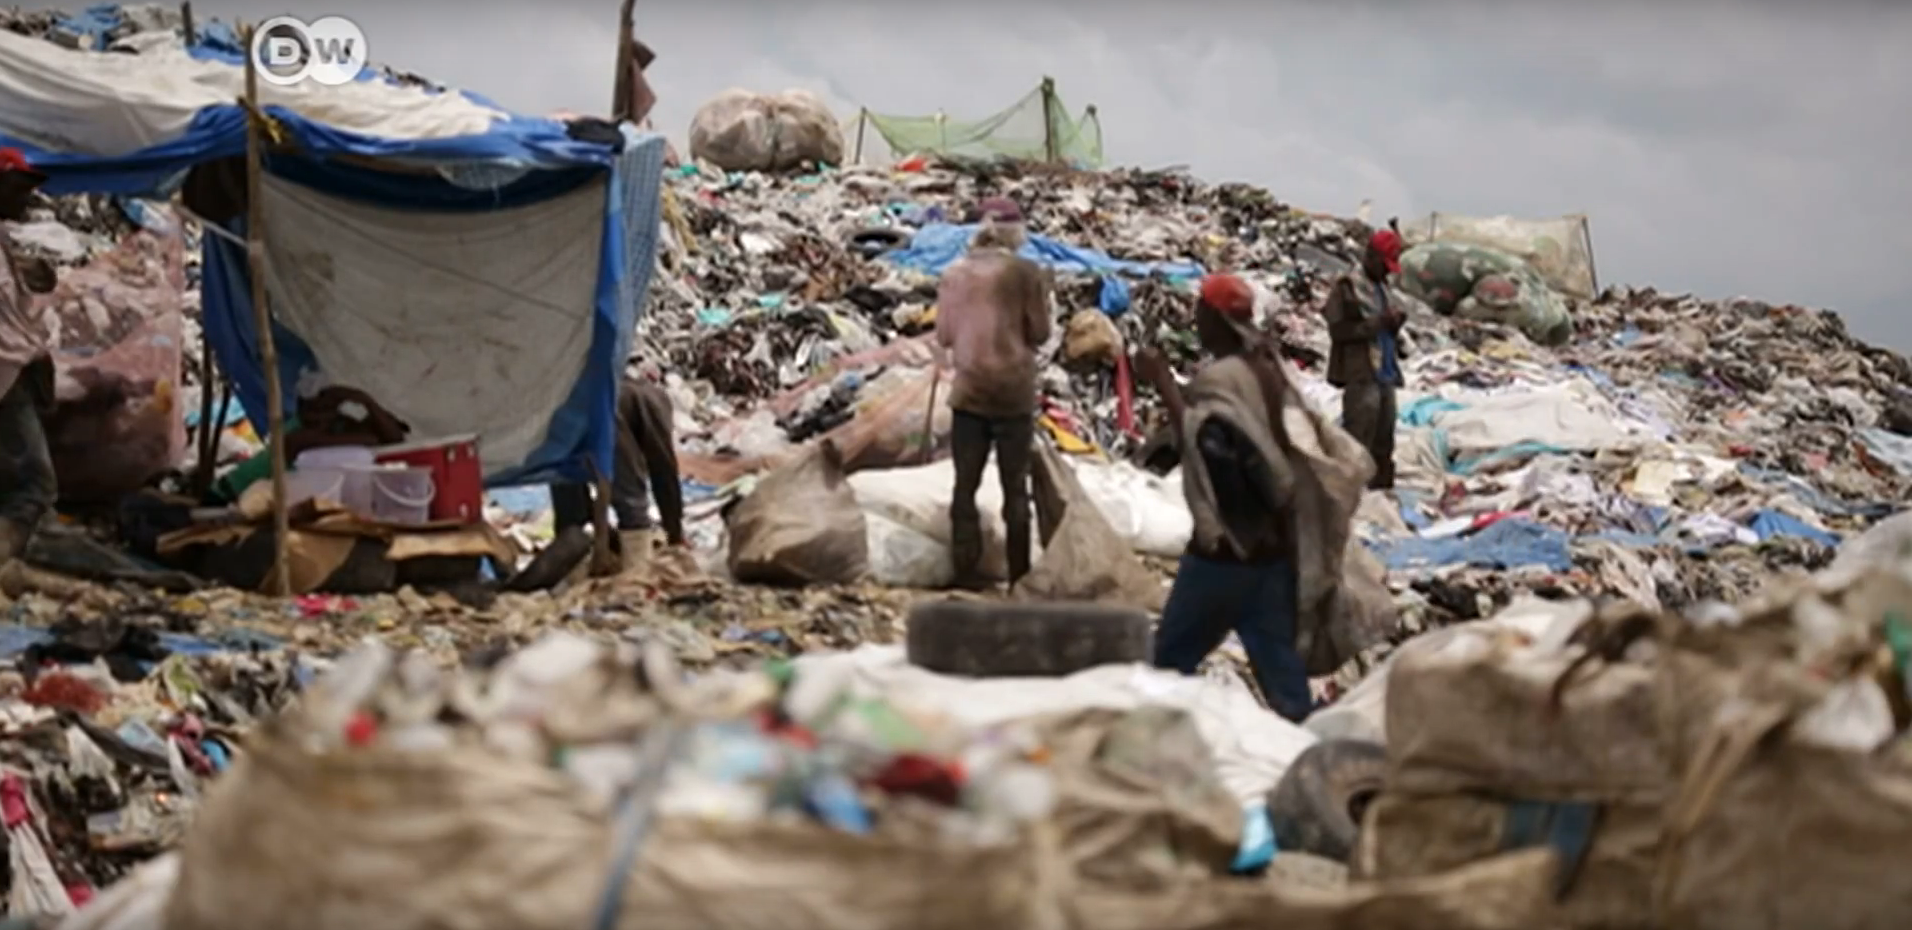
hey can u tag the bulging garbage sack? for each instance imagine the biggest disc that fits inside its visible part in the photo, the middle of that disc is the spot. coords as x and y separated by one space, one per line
1480 283
739 130
1083 558
801 525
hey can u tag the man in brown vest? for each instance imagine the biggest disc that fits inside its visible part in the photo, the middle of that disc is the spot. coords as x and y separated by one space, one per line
1365 359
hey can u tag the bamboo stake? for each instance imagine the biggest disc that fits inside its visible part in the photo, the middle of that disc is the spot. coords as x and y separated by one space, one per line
623 100
281 577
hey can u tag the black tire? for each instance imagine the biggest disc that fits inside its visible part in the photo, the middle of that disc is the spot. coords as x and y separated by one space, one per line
993 639
1317 807
870 243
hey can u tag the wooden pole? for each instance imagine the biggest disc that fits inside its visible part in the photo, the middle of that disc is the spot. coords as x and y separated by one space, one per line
186 14
281 577
622 93
1049 146
208 437
862 119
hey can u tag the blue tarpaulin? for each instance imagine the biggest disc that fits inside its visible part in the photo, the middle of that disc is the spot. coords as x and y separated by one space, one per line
1771 523
1506 543
938 245
517 161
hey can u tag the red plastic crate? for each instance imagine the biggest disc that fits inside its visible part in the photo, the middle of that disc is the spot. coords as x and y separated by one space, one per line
458 481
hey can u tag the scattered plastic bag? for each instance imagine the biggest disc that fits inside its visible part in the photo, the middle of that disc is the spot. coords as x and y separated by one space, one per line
119 325
800 526
743 131
895 426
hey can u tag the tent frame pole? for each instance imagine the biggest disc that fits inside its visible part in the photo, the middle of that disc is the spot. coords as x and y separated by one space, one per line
280 580
622 98
1049 118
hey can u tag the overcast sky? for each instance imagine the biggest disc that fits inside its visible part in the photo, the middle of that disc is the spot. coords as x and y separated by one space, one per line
1730 148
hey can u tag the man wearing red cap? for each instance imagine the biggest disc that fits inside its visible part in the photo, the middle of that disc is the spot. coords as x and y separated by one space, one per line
992 313
27 489
1266 548
1365 359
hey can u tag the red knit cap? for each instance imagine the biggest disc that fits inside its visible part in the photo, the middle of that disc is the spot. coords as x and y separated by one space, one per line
1230 295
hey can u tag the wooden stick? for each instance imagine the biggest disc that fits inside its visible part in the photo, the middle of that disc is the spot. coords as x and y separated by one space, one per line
186 14
281 576
208 436
623 100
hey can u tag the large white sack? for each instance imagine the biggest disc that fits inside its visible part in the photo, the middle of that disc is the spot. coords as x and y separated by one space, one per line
1147 511
739 130
1252 745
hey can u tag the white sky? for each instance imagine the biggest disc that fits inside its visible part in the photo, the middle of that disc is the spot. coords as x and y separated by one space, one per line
1730 148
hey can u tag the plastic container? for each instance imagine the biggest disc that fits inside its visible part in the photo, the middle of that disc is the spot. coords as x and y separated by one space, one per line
458 479
351 465
402 494
304 485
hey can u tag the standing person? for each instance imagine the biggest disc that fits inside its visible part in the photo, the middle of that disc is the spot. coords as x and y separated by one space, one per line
27 486
1262 522
1365 358
992 313
645 446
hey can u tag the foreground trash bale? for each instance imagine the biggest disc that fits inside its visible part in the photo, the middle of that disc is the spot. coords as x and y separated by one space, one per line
571 783
1746 768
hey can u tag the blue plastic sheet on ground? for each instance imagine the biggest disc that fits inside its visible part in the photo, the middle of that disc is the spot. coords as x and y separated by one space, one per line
938 245
1423 410
1508 543
1813 497
17 638
1771 523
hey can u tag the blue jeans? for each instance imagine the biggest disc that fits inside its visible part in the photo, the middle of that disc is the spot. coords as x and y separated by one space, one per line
1258 602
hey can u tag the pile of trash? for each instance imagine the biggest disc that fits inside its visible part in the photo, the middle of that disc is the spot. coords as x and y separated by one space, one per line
1671 450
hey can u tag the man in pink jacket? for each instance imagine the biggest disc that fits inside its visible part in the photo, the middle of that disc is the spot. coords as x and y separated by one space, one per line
992 313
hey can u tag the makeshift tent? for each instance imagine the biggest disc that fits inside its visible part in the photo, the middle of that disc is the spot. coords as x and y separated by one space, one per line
476 271
1038 128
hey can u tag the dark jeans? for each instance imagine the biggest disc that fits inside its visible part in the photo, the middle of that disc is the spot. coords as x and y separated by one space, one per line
27 488
630 497
1368 413
1257 601
971 437
645 463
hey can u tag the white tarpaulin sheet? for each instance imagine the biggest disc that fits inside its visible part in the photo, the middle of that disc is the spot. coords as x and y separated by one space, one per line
456 322
1566 415
1252 746
103 103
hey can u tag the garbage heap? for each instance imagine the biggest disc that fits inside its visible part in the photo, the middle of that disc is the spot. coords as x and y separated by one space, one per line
1671 450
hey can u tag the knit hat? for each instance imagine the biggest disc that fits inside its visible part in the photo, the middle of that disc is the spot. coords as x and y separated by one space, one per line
1230 295
1387 243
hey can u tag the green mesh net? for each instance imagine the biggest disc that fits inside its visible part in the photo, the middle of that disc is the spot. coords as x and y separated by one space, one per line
1038 127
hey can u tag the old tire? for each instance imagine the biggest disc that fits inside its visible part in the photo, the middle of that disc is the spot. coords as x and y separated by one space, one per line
1317 807
991 639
